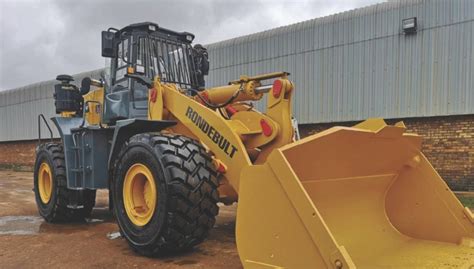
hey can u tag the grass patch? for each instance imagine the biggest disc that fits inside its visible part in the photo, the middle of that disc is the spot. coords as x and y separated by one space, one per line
467 199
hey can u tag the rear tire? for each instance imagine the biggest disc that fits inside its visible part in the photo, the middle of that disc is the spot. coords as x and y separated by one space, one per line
62 204
186 193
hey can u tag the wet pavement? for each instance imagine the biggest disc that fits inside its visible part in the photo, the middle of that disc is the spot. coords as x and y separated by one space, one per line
26 241
20 225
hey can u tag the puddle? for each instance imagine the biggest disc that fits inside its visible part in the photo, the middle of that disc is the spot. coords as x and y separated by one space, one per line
32 225
20 225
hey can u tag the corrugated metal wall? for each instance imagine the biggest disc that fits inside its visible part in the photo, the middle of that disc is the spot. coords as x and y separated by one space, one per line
19 109
346 67
359 64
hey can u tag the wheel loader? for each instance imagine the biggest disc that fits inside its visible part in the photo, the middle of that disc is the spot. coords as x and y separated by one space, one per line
169 149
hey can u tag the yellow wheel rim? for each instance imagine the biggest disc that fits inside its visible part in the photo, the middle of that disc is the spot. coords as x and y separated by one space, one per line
45 182
139 194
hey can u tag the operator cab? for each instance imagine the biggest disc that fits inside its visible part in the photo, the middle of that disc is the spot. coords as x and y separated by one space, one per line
144 51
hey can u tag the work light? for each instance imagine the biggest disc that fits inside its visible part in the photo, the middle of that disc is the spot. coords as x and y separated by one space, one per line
409 25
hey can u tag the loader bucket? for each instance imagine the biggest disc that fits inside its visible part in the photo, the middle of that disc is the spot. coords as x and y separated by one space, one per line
360 197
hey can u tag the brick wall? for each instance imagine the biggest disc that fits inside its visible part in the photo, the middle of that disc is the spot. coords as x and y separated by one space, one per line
448 144
18 155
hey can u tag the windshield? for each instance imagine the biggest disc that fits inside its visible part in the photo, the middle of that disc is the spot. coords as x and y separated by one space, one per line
169 60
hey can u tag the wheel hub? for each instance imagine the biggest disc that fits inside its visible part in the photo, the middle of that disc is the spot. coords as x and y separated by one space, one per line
139 194
45 182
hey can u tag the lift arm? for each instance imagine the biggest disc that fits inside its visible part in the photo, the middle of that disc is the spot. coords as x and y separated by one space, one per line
235 133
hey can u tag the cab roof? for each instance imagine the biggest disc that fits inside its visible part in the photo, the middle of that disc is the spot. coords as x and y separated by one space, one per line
153 29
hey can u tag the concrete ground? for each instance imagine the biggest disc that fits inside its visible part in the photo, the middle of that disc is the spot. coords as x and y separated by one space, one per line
26 241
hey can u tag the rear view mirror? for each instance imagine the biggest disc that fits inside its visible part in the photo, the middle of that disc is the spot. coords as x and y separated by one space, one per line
109 49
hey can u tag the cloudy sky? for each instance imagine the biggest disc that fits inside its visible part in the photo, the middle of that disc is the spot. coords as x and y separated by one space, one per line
42 38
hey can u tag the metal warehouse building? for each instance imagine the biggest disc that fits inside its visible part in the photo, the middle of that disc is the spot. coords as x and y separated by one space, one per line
346 67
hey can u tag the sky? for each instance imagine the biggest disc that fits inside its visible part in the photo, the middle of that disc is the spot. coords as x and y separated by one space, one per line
43 38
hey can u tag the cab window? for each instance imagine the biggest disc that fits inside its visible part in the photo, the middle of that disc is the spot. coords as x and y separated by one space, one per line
122 63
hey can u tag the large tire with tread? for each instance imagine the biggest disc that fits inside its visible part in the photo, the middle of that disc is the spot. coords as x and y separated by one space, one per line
64 205
186 193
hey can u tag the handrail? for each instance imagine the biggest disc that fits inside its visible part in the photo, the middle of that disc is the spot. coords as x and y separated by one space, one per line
41 116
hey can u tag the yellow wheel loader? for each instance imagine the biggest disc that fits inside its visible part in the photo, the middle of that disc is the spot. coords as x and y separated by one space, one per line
169 149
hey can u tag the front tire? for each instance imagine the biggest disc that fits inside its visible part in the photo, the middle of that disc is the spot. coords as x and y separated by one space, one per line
55 202
165 193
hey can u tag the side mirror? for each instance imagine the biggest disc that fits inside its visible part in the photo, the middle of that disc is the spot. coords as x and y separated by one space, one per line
109 49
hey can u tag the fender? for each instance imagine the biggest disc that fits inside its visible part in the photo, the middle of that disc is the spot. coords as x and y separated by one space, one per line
124 129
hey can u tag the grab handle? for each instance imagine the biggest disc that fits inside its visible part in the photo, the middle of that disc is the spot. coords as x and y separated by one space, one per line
41 117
